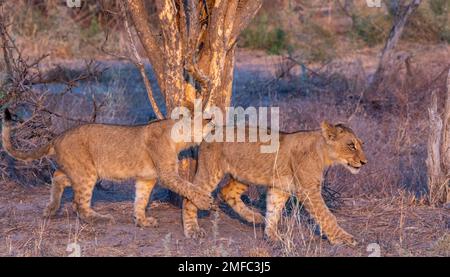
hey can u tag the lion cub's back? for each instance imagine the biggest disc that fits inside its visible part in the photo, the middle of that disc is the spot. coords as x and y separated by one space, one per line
114 150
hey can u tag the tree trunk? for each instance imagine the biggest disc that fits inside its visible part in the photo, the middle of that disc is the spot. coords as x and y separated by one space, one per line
437 160
396 32
445 150
193 54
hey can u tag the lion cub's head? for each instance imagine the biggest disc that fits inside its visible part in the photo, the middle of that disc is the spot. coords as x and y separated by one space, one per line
344 146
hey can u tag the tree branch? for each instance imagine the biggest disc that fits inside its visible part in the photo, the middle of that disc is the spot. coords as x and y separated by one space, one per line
394 36
173 54
148 40
246 11
140 65
195 33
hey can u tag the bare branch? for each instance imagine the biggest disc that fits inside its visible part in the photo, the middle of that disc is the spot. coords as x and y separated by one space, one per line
246 11
148 39
140 65
115 55
394 36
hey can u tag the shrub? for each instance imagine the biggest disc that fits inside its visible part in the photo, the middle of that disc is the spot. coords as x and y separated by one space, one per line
439 7
368 30
264 35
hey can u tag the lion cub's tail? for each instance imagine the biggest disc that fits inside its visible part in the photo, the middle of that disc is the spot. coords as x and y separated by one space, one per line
20 155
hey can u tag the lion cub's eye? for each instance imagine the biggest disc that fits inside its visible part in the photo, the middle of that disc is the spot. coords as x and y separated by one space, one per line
351 145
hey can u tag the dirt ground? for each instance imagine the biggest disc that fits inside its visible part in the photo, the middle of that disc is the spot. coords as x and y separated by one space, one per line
399 227
382 206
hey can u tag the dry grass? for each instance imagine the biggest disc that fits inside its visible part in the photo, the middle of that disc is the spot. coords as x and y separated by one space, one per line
400 225
385 204
50 27
382 205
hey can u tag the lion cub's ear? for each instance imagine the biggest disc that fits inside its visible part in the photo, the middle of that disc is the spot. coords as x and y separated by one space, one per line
329 131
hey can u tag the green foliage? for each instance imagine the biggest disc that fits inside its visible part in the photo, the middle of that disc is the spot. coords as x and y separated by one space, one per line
93 29
262 35
445 35
439 7
367 29
277 41
321 43
429 23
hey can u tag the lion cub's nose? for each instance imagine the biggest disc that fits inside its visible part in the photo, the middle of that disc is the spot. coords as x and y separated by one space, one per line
363 162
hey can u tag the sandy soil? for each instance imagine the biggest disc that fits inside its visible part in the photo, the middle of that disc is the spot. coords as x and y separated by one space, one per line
372 206
400 229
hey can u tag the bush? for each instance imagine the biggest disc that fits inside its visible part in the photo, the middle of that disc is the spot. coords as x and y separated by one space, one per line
262 35
445 35
93 29
439 7
429 23
368 30
315 43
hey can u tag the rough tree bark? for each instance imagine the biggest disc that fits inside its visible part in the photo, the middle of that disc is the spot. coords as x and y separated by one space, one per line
193 52
439 150
400 19
445 150
140 65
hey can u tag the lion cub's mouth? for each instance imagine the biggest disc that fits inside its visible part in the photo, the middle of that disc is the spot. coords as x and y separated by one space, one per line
353 169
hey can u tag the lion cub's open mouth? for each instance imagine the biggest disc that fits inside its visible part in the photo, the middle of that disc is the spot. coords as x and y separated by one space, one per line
353 169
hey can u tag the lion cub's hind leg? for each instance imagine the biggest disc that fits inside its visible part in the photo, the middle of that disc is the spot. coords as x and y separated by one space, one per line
59 182
276 200
143 191
231 194
83 186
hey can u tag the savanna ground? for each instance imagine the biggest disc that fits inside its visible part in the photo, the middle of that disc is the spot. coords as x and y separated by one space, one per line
385 204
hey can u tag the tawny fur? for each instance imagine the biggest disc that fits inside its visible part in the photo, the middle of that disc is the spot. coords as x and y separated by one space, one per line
297 168
91 152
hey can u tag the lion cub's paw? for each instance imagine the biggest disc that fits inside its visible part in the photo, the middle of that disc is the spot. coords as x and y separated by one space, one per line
271 235
194 233
99 218
146 222
49 211
202 201
256 218
344 238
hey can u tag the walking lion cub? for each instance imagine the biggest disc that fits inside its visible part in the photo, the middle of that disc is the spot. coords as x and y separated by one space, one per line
296 168
97 151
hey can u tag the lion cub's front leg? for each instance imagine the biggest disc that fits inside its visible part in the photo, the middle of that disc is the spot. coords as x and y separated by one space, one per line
143 190
190 223
314 203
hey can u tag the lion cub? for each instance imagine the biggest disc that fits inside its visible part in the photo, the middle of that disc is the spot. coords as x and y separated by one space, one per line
296 168
97 151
